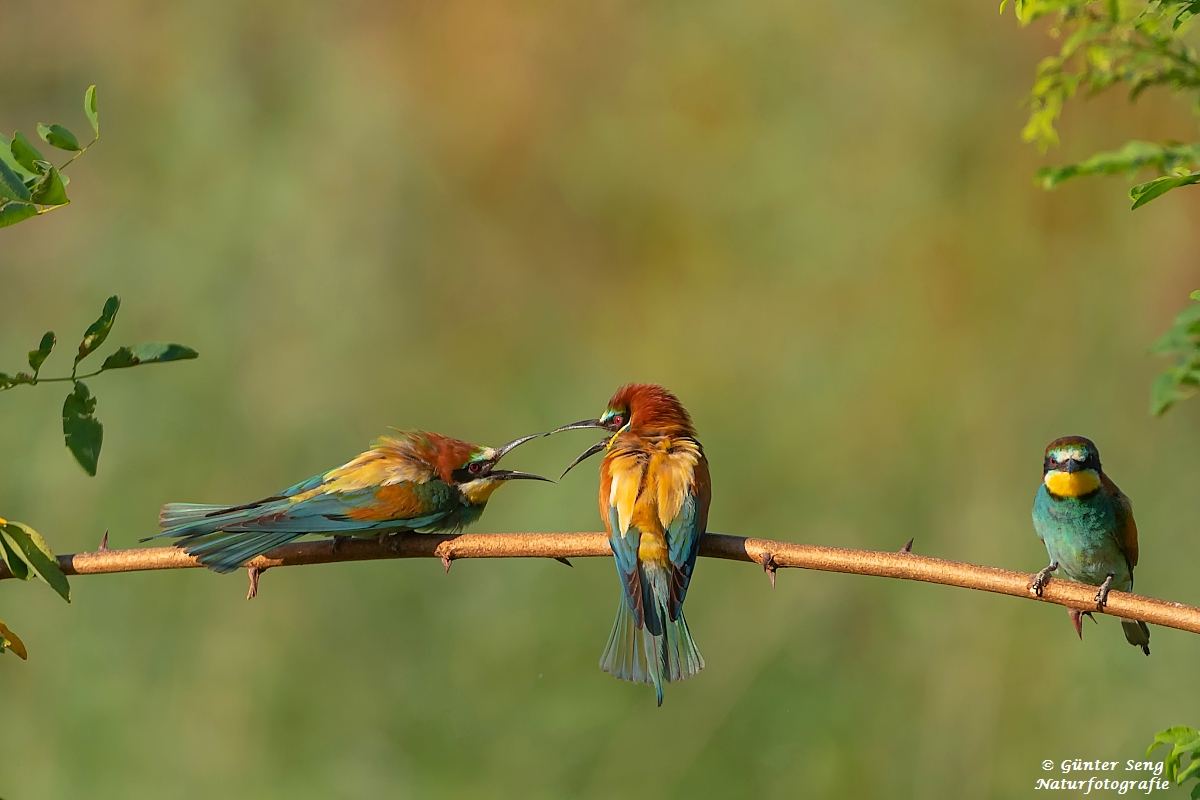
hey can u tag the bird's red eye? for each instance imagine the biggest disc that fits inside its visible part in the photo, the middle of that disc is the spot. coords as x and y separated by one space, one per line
618 420
474 467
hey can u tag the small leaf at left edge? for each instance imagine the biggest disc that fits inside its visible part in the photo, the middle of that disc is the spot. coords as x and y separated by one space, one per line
39 356
148 354
50 190
12 185
98 332
13 642
83 432
38 556
58 136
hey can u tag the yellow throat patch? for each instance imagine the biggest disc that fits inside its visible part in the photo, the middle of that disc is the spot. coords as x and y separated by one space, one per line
1072 484
478 491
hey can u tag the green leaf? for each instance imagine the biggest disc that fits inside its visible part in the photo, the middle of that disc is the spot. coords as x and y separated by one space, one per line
1131 156
1145 192
98 332
148 354
10 641
12 213
1192 771
12 186
7 157
1163 394
38 556
24 151
58 136
39 356
12 558
1180 734
50 191
83 432
89 108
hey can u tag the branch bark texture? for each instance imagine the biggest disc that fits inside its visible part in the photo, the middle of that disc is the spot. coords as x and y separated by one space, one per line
770 555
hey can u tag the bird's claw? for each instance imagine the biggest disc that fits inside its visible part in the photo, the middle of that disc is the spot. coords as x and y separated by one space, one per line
253 573
1041 579
337 541
1102 595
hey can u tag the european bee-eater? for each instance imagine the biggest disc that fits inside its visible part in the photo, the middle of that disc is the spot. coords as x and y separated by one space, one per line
654 495
1087 525
414 481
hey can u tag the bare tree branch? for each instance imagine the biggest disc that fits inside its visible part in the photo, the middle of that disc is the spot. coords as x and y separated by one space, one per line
768 554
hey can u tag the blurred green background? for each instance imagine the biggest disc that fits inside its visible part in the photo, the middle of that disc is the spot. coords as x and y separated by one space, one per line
816 223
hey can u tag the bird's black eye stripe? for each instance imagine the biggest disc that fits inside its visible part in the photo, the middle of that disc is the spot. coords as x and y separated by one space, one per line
472 470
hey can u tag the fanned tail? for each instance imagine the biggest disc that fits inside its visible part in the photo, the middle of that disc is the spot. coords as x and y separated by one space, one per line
201 531
638 655
1137 633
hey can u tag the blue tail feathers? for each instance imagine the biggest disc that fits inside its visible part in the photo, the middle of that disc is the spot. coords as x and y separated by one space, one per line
202 532
660 652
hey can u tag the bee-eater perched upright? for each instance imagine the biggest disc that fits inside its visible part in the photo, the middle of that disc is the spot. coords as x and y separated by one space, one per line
414 481
1087 525
654 495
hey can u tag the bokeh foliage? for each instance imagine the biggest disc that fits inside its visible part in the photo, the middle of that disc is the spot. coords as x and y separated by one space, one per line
1140 44
1182 742
1183 342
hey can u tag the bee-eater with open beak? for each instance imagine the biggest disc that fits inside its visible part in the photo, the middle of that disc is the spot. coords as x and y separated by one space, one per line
414 481
654 495
1087 525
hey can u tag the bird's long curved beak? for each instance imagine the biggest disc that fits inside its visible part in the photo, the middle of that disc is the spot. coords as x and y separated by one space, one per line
587 423
1072 466
585 455
505 448
512 474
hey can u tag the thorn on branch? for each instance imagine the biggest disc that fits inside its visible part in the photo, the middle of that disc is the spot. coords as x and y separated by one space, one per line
769 566
562 560
908 547
103 542
446 562
254 572
1077 620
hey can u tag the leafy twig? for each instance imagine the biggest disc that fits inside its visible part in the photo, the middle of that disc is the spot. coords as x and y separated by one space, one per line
83 433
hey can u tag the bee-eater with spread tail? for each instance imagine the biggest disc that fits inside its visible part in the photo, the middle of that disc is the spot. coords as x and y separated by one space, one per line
654 495
413 481
1087 525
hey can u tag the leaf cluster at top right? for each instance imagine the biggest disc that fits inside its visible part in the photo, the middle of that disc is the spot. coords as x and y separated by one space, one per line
1137 43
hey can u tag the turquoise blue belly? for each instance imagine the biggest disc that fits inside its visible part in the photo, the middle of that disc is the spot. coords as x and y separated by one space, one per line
1081 535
